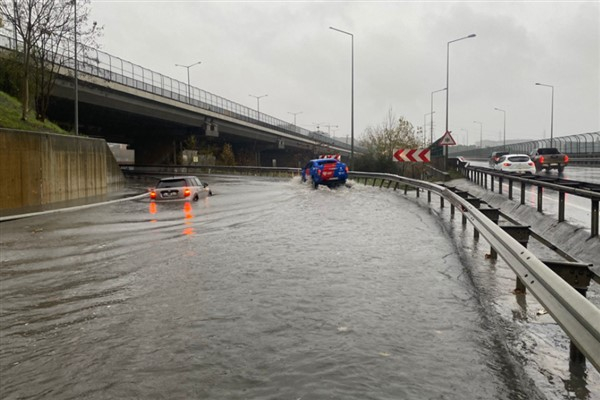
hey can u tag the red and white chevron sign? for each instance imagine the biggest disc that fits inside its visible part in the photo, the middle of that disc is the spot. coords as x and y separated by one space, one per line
412 155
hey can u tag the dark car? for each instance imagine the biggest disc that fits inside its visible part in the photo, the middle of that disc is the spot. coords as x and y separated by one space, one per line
495 157
329 171
180 188
549 158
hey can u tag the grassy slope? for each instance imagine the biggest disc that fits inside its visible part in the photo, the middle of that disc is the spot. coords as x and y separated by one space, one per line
10 117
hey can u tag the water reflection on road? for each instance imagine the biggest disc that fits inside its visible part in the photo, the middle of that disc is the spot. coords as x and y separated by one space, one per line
272 290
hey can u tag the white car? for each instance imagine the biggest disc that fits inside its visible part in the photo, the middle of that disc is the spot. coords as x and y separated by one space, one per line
519 163
180 188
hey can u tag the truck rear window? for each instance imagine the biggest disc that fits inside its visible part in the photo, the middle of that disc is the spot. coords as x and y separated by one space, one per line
548 151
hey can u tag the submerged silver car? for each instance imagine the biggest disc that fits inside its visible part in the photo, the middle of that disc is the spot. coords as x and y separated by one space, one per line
180 188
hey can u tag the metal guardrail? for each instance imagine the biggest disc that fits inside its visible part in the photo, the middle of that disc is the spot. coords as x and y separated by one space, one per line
578 317
110 68
591 191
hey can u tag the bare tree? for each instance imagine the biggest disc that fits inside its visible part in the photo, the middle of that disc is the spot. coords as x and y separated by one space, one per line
382 139
46 29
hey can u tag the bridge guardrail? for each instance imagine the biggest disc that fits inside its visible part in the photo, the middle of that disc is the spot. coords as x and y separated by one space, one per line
110 68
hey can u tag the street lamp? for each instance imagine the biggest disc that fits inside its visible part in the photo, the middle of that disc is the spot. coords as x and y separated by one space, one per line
294 114
352 97
188 76
480 133
472 35
551 114
503 111
431 126
467 132
258 103
425 126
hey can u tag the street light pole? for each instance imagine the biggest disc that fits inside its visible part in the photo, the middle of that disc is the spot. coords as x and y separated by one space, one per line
431 125
480 133
425 126
448 88
258 103
352 97
188 76
294 114
504 112
467 132
551 114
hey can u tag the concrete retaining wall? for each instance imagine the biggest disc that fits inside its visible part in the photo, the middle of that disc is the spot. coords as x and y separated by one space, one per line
43 168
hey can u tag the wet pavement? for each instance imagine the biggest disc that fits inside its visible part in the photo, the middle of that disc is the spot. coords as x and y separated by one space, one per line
270 290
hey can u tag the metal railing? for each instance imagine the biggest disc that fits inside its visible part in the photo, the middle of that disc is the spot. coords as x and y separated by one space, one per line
480 175
583 145
578 317
110 68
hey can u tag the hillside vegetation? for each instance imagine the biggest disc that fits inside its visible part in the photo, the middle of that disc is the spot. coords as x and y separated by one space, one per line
10 117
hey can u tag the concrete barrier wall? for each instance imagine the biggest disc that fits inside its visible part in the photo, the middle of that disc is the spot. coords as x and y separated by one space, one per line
43 168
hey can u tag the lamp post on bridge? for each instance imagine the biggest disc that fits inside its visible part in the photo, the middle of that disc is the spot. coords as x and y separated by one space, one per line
188 77
480 133
294 114
467 132
504 141
258 103
551 114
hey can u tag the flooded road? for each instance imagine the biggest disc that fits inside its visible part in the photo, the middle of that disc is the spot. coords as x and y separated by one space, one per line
269 290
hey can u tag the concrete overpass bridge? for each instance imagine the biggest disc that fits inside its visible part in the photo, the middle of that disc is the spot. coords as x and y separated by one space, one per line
154 114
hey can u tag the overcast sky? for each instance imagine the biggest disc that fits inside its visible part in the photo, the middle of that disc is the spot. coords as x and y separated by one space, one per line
287 51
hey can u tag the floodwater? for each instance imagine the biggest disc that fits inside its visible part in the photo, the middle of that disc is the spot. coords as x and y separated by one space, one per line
270 290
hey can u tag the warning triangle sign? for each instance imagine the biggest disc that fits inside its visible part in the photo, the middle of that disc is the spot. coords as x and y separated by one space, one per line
447 140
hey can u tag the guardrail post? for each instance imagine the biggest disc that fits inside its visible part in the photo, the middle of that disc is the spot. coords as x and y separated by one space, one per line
561 206
500 179
492 213
429 196
441 202
595 217
396 186
484 180
389 184
510 189
475 202
405 189
522 192
418 192
492 183
521 234
579 276
540 193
